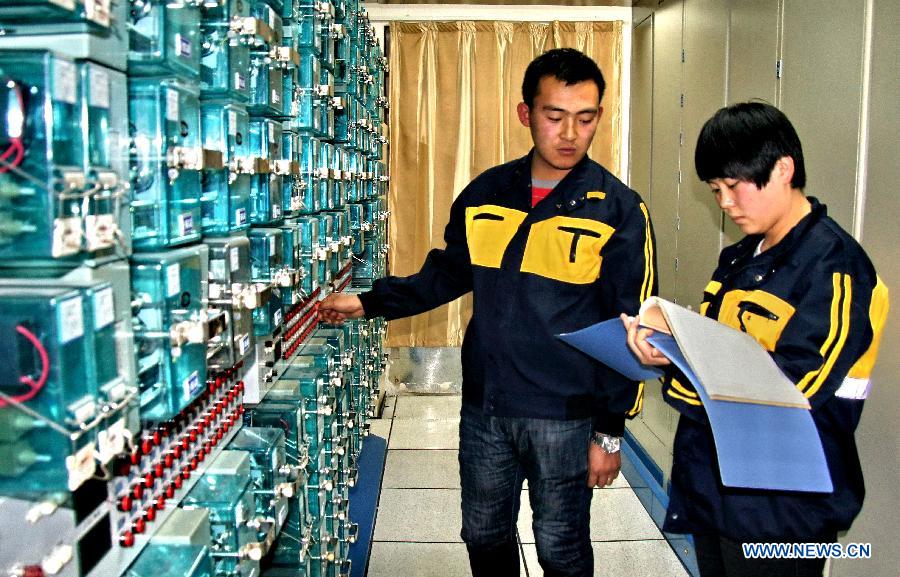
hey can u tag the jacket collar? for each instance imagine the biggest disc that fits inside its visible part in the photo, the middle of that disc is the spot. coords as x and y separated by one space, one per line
568 194
776 255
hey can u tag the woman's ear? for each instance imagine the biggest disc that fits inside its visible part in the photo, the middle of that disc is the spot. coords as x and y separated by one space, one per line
784 170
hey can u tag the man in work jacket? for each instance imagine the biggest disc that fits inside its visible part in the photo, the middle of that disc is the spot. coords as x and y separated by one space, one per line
808 293
549 243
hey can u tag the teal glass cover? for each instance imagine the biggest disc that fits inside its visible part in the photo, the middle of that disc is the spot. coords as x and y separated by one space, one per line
165 163
164 38
171 372
42 180
225 201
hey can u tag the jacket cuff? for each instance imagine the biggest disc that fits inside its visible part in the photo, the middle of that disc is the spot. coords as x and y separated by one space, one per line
610 423
370 305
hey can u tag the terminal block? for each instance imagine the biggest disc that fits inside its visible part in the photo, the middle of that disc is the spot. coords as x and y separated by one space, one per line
42 179
267 267
326 260
166 160
308 230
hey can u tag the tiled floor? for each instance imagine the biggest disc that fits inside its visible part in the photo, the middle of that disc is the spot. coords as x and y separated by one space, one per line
418 519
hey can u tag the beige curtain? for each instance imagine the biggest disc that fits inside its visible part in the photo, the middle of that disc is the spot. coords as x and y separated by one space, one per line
454 87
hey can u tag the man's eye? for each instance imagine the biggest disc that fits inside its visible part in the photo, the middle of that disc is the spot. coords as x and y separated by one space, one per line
554 118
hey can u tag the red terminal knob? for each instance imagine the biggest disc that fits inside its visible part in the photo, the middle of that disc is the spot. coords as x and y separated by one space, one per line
201 455
137 491
241 410
159 470
149 479
186 472
127 539
32 571
161 502
219 435
194 463
125 503
146 445
185 442
227 425
170 490
176 451
200 427
139 526
150 513
135 457
157 437
193 436
168 460
179 480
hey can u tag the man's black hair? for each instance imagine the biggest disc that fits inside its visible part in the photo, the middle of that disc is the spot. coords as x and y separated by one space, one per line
744 141
566 65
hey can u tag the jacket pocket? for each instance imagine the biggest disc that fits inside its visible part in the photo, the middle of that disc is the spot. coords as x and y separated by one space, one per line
489 229
566 249
760 314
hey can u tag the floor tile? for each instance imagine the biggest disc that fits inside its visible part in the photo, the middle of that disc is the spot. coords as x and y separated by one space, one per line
624 559
420 434
418 560
430 407
418 469
387 410
421 515
616 514
380 427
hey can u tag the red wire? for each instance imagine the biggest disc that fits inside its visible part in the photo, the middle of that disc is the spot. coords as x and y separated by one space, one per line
35 386
15 144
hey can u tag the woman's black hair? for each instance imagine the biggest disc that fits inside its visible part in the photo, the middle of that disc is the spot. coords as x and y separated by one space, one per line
566 65
744 141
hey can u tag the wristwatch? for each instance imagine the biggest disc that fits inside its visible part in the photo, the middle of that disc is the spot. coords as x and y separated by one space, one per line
608 443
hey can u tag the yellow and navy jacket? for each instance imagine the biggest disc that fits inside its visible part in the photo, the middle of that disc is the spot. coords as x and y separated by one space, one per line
582 255
816 304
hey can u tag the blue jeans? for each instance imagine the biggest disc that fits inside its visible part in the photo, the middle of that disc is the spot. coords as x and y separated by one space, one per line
495 455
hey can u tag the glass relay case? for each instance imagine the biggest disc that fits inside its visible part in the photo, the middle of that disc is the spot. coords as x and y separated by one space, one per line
166 161
169 329
42 180
225 201
164 38
266 191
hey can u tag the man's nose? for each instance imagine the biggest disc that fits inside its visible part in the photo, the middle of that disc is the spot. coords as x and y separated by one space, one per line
568 129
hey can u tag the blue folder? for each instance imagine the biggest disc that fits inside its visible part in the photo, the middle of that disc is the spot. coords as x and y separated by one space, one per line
758 446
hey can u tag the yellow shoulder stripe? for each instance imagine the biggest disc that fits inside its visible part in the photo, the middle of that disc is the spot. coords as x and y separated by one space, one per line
683 391
713 287
596 195
675 395
638 401
878 311
647 285
837 335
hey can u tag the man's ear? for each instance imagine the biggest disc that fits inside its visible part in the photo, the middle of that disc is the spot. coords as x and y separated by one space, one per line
523 111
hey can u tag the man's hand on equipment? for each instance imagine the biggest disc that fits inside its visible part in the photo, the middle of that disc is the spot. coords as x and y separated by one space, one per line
337 307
